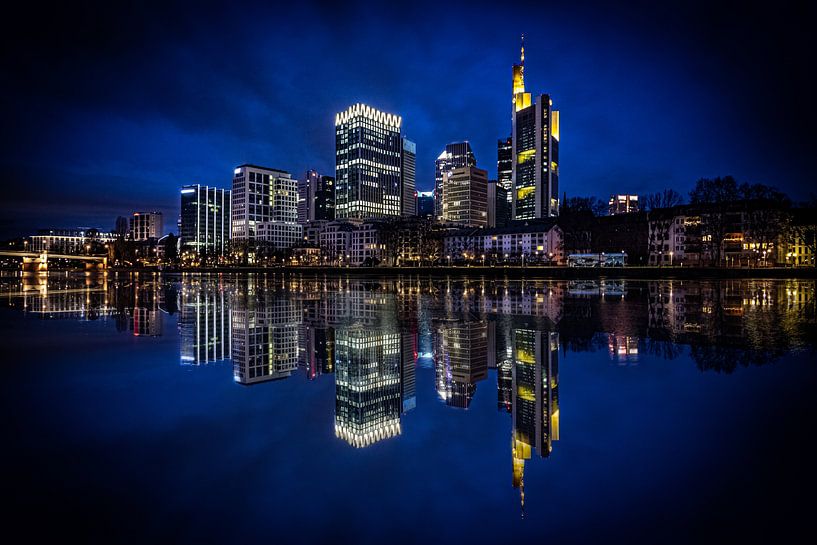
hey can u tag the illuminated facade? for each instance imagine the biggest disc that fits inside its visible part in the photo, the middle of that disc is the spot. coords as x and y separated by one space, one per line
623 204
535 397
408 171
456 155
368 156
465 197
367 385
535 151
265 207
68 241
146 225
205 332
205 220
265 338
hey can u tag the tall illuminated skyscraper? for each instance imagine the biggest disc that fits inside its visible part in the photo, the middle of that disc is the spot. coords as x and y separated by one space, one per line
369 152
535 151
456 155
465 197
205 220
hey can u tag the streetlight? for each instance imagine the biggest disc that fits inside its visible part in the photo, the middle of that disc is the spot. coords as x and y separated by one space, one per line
449 260
483 260
670 259
550 259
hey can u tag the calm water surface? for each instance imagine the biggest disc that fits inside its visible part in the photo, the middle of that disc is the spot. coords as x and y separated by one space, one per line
349 410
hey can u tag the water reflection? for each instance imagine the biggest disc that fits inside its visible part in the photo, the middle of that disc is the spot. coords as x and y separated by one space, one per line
368 333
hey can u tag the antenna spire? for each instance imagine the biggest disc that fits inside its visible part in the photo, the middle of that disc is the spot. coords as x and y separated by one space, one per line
522 53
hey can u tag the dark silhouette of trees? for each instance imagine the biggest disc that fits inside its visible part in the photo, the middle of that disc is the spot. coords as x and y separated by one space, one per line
662 199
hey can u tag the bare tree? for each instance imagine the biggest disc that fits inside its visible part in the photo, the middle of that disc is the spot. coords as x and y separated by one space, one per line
715 195
662 199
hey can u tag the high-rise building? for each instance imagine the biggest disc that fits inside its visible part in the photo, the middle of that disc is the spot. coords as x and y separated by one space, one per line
456 155
499 209
623 204
146 225
265 207
465 196
408 162
368 177
325 199
425 204
504 165
535 151
205 220
316 198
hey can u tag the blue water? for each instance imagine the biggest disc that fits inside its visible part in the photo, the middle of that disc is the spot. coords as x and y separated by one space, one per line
129 415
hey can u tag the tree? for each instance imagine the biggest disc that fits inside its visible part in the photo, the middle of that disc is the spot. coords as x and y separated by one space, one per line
171 251
593 205
715 195
767 217
662 199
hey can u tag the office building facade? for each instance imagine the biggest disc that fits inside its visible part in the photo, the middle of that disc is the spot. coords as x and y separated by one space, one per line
535 151
455 155
316 198
425 204
408 169
499 209
265 207
504 165
146 225
465 197
368 151
205 220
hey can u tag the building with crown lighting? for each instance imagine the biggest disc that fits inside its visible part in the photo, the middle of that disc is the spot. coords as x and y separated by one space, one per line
368 159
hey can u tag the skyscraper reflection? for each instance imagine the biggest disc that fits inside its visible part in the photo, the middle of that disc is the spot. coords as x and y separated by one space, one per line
461 360
205 326
535 400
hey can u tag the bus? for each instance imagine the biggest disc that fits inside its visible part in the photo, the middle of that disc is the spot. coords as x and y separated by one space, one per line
601 259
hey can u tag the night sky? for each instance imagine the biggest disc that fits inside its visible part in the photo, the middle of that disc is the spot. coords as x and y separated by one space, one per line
110 109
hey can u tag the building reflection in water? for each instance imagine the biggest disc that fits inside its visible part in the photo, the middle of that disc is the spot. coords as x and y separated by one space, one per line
535 399
205 323
367 333
264 334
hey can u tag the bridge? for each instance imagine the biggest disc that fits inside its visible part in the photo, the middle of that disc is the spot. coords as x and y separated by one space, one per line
37 262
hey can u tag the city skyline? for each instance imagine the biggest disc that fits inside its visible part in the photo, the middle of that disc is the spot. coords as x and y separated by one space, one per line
98 156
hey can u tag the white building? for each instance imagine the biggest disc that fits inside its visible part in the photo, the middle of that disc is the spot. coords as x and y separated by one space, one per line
265 207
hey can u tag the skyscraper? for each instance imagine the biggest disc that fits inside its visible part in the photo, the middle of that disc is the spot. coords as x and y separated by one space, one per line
535 151
499 209
456 155
465 197
368 156
504 165
408 161
205 220
316 197
265 207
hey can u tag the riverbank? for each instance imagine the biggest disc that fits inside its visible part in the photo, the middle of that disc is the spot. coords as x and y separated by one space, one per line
561 273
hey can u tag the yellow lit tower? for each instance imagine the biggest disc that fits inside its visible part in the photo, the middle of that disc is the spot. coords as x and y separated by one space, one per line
534 149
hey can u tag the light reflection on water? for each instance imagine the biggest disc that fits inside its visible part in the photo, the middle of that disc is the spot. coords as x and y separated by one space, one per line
502 339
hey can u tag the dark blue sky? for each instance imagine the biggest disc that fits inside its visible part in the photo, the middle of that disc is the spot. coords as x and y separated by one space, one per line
109 109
